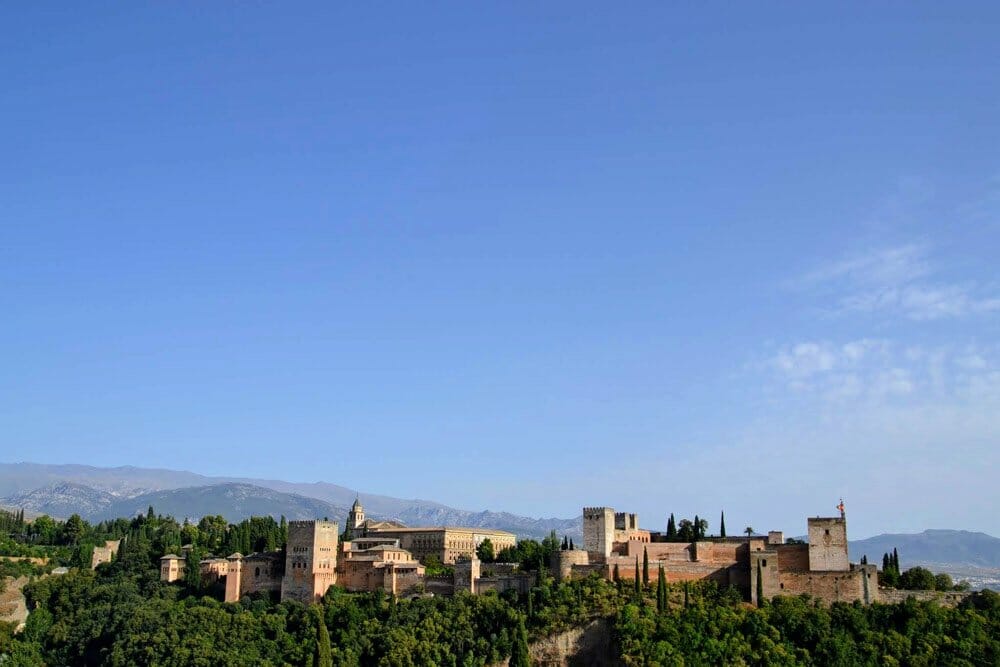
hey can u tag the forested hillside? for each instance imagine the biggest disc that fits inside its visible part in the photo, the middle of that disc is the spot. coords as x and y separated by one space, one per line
121 614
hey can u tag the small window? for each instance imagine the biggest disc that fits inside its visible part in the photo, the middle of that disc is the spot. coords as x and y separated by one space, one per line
763 563
827 531
256 572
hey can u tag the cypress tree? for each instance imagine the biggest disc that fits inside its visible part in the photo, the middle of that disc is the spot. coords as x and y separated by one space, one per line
635 580
645 567
565 544
531 605
722 525
697 527
571 547
895 560
671 528
885 562
192 569
616 576
520 656
324 655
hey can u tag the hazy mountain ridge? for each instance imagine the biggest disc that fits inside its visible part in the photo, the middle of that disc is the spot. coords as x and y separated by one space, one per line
62 499
100 493
234 501
958 547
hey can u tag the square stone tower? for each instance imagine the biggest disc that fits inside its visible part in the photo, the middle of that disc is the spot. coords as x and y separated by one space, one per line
828 544
310 560
598 532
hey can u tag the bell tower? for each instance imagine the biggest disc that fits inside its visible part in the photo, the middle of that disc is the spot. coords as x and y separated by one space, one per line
355 519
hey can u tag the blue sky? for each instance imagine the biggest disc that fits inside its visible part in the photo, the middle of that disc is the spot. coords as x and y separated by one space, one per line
664 258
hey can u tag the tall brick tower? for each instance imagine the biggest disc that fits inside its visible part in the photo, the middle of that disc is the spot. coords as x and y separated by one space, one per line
828 544
310 560
598 532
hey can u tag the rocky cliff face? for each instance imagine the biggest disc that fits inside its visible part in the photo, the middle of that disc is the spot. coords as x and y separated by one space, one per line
587 646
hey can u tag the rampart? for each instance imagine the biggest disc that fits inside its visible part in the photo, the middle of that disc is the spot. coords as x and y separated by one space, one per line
943 598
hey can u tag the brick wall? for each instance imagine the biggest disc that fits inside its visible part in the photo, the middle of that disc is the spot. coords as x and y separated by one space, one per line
944 598
793 557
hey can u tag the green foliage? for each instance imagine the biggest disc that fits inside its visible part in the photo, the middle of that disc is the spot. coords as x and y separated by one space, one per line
661 591
520 655
918 579
324 654
485 551
192 569
122 614
714 629
433 567
531 554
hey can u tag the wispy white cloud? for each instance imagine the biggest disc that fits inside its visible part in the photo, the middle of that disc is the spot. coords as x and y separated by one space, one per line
880 370
897 281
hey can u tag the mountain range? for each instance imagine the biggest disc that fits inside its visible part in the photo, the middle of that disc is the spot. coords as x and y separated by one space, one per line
103 493
958 547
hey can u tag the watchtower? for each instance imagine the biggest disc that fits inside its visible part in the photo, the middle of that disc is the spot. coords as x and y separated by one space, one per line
598 531
828 544
310 560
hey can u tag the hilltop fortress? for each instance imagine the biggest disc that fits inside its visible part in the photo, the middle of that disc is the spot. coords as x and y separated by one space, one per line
614 544
376 556
391 557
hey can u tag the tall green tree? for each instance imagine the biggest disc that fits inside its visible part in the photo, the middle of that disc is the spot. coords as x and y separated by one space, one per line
520 654
635 580
722 525
485 551
685 531
73 530
645 567
192 569
671 529
324 654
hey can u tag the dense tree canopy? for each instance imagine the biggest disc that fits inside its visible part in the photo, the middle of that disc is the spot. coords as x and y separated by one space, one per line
121 614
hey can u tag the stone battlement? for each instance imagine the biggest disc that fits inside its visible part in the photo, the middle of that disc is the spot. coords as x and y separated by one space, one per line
596 511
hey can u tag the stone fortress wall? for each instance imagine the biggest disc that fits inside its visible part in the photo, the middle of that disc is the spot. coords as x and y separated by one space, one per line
377 558
614 543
